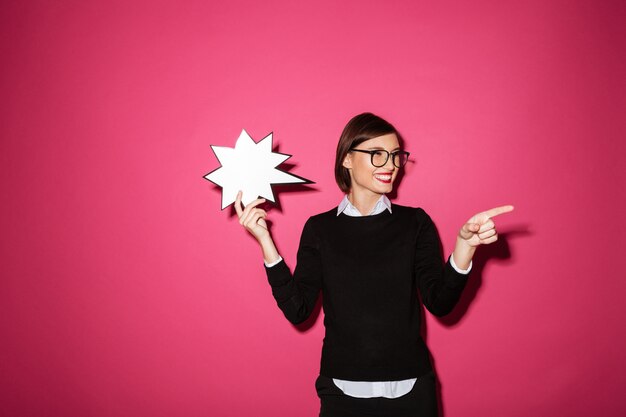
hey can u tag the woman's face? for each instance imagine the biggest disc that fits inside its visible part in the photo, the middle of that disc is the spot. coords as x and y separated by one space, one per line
366 178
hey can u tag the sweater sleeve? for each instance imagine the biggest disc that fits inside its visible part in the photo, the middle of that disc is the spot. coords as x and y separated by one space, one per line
440 285
297 294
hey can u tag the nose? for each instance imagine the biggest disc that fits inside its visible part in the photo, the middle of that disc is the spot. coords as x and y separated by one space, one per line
389 164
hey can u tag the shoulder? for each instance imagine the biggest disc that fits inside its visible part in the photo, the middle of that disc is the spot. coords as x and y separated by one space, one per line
322 219
414 212
413 217
327 214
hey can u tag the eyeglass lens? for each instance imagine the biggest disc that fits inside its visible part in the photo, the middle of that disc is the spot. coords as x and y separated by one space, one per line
380 158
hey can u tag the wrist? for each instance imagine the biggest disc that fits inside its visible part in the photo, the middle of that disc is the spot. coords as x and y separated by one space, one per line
265 240
464 248
463 243
463 253
270 253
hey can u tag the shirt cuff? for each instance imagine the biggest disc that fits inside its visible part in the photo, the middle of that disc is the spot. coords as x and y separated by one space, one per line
457 269
276 262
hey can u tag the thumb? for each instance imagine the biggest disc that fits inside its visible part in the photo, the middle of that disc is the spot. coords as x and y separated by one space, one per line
468 230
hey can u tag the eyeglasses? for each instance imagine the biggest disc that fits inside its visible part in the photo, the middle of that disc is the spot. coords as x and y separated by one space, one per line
380 157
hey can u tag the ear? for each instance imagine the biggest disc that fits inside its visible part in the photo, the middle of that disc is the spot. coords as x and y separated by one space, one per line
347 161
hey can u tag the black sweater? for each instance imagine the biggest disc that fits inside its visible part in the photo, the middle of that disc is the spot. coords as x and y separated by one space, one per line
369 270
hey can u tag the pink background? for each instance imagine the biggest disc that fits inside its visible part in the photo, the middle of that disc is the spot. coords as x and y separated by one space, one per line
125 290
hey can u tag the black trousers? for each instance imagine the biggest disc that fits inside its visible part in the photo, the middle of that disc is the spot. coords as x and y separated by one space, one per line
421 401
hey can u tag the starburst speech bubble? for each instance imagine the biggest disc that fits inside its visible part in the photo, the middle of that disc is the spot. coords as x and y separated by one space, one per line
251 168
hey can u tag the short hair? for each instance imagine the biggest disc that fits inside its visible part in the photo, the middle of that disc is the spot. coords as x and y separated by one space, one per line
360 128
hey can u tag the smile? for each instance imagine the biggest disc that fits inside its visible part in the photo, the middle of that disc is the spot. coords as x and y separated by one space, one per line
385 178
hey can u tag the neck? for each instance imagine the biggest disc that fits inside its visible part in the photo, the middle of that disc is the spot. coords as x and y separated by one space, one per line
363 202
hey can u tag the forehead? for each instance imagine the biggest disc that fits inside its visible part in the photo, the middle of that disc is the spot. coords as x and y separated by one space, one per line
388 141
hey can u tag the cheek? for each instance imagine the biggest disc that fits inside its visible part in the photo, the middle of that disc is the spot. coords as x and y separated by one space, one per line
360 171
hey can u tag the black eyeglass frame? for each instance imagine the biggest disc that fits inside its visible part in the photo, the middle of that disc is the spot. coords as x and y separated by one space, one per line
393 160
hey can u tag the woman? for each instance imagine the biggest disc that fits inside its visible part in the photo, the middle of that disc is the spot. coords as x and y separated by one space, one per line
369 258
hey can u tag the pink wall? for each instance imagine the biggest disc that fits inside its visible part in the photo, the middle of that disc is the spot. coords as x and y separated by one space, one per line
125 290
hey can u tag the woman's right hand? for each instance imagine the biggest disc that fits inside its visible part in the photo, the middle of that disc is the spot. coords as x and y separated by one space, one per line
252 218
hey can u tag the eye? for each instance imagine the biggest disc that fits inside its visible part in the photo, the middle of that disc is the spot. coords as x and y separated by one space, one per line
378 153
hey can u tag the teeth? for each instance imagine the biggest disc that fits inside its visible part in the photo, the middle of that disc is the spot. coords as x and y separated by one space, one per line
383 177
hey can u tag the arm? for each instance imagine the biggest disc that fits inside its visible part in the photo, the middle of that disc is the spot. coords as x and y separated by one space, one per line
295 294
442 290
440 285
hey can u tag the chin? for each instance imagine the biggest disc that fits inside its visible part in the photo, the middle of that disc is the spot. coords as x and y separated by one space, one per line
384 190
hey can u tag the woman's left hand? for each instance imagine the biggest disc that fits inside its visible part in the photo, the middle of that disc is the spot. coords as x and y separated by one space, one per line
480 229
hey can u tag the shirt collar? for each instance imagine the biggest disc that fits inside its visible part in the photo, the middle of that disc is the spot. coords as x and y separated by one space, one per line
346 207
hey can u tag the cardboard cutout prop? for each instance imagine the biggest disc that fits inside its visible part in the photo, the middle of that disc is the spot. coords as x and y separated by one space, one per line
251 168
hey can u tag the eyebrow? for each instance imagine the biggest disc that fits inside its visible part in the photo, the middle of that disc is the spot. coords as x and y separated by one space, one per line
380 148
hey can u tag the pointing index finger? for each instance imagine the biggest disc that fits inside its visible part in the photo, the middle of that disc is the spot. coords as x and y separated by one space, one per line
498 210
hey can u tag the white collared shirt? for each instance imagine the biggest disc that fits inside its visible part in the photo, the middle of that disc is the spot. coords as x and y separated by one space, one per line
346 207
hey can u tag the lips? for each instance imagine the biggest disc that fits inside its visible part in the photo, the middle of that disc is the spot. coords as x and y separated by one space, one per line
384 178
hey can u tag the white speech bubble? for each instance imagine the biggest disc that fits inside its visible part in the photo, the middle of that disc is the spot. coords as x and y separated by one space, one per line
251 168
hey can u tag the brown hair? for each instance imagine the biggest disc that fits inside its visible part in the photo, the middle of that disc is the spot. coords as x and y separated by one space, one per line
360 128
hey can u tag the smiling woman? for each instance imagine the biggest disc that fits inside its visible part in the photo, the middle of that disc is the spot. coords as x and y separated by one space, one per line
361 128
374 174
370 258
